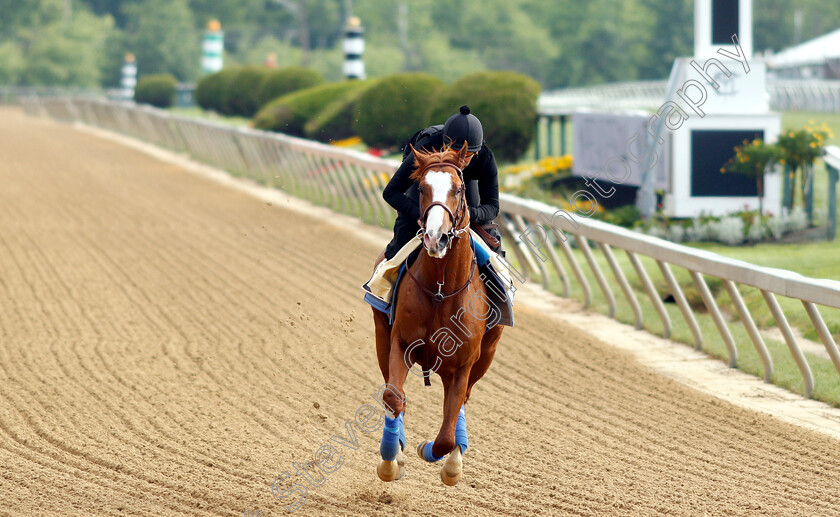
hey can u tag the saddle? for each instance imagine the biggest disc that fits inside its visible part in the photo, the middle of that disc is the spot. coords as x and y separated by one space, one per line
382 288
482 231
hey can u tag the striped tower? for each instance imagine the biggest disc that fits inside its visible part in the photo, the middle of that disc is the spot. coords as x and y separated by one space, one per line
354 47
129 77
212 48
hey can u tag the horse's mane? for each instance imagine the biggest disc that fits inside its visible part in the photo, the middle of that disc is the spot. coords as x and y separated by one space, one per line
424 158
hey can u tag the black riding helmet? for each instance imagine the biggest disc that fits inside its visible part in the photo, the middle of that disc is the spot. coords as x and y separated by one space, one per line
463 126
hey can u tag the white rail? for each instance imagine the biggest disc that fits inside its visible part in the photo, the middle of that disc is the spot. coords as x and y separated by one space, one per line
798 95
785 95
351 182
615 96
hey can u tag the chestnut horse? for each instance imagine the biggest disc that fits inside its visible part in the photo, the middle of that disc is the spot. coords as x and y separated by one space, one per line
438 319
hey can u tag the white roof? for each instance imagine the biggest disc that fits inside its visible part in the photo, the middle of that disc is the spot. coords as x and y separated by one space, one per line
815 51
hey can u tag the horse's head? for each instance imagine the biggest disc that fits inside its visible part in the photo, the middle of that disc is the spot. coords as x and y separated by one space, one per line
443 204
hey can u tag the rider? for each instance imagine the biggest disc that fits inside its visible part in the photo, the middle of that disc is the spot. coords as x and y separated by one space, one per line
481 177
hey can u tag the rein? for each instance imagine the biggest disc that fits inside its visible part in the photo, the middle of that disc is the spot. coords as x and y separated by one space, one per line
438 297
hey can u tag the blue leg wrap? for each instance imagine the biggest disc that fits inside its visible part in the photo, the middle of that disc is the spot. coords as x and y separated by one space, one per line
391 434
402 432
461 439
427 453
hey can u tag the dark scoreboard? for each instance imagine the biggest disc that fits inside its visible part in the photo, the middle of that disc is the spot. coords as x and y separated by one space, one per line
710 150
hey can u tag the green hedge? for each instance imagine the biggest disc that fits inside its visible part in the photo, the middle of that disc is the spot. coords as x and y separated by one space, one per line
278 83
157 90
211 90
395 108
242 95
336 121
290 113
506 104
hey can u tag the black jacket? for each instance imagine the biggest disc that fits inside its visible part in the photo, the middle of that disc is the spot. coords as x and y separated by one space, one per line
481 177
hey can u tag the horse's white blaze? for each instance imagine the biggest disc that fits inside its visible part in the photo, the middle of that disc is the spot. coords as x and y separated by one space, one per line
441 184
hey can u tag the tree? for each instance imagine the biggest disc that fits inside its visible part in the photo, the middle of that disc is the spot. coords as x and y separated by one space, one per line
671 33
502 33
65 55
317 23
11 63
162 35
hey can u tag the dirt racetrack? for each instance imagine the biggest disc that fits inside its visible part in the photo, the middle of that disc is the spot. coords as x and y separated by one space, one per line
169 346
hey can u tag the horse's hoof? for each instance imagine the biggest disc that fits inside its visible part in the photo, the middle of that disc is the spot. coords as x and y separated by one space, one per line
449 479
450 472
389 471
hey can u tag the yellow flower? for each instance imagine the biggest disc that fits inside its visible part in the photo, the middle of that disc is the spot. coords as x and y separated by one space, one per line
347 142
756 142
814 145
545 163
782 161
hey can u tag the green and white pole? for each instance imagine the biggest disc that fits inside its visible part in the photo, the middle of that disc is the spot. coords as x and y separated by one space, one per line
129 77
212 48
354 47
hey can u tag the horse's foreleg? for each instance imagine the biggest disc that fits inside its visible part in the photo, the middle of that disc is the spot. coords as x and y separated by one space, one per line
383 332
450 473
383 341
488 350
454 389
393 435
446 442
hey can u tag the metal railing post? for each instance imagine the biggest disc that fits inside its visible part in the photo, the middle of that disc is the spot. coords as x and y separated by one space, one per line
682 303
795 351
583 244
712 307
752 330
652 294
625 286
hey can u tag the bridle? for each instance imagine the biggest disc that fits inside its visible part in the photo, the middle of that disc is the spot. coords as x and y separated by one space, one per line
454 233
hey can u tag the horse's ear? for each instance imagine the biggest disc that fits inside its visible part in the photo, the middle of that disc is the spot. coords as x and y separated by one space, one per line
418 156
420 160
462 154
